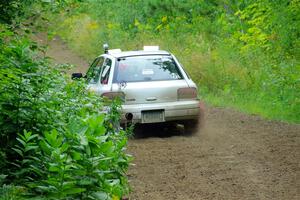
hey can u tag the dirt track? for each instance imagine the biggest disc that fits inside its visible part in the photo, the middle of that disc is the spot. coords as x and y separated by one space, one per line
233 156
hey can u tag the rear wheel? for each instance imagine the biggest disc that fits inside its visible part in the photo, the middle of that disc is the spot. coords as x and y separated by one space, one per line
191 126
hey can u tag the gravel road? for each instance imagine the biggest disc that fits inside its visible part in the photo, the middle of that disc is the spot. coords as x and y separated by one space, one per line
233 155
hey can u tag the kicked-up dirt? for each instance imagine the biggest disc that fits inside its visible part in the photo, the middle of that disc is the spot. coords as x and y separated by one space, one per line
233 155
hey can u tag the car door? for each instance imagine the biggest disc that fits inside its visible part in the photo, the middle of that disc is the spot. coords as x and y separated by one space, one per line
93 73
105 72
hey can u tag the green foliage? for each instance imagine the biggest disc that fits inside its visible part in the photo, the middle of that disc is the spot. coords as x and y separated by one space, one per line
14 12
10 192
56 141
82 162
12 9
243 54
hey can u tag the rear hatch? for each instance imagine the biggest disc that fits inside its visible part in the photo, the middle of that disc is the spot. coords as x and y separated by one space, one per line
150 92
148 79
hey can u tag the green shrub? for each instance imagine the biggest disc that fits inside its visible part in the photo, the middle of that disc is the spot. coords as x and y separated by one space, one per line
55 140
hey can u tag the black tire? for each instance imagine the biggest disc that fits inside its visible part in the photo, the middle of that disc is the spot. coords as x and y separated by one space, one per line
191 126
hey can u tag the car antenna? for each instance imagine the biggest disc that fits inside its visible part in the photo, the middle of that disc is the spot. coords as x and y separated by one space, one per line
105 47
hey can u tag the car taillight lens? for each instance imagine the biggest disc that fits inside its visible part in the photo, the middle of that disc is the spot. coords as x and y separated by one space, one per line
113 95
187 93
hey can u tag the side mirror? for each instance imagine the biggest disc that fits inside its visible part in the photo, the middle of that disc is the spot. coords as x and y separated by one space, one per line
76 75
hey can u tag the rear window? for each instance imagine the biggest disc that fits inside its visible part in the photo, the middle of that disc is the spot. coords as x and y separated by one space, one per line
146 68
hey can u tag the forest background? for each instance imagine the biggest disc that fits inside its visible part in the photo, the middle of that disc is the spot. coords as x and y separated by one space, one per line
242 54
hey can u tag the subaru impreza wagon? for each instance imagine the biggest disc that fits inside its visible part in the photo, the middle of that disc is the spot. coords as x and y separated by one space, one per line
152 83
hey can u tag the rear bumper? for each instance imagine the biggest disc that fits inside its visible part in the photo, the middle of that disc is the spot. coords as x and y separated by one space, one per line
173 111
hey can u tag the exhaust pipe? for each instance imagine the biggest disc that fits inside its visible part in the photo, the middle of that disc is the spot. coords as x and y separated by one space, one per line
129 116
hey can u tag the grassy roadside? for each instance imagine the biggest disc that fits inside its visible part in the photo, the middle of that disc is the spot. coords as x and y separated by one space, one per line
243 71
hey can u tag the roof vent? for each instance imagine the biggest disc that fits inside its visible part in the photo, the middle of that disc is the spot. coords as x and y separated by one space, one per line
112 51
151 48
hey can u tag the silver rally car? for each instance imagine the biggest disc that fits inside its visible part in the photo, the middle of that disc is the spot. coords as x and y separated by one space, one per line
154 86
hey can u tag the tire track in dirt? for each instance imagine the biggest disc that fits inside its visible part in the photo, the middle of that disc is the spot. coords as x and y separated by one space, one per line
233 156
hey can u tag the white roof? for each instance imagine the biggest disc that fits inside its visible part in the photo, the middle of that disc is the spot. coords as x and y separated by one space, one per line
137 53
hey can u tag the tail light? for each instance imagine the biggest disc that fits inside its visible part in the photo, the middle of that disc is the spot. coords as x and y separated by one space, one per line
113 95
187 93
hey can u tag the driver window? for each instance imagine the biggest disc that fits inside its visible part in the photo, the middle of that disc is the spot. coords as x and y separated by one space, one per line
106 71
93 73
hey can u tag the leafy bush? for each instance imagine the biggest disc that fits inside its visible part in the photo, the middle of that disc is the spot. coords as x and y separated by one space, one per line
12 10
55 141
